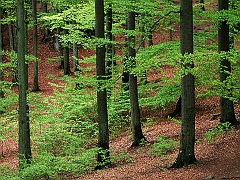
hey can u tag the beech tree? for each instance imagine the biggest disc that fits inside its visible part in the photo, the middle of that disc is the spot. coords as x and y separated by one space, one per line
103 135
226 105
186 154
35 46
109 36
24 129
135 111
1 48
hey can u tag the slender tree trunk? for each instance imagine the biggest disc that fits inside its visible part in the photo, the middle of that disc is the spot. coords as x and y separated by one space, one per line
142 44
60 49
1 48
135 111
44 8
226 105
35 47
109 36
12 48
66 58
75 57
125 74
186 154
103 136
24 129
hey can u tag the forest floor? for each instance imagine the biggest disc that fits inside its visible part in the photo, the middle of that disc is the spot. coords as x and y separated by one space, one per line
219 159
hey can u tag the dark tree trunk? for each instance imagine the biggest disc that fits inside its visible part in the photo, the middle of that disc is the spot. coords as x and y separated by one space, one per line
12 44
46 32
66 68
143 80
125 74
186 154
24 129
109 36
60 49
103 158
226 105
135 111
75 57
1 48
35 47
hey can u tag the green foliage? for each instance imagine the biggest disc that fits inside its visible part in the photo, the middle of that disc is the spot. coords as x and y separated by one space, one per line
220 129
162 146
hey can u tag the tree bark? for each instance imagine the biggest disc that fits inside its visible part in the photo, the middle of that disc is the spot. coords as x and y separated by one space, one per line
35 47
75 57
109 36
1 48
24 129
135 111
143 80
125 74
66 68
226 105
12 48
186 154
103 158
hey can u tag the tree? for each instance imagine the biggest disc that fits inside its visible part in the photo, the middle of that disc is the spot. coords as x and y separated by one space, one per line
186 154
75 57
66 67
226 105
109 36
125 74
24 129
1 48
35 46
103 135
135 111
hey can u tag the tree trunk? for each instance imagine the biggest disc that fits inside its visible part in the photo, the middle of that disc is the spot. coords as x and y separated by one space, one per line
143 80
109 36
103 158
60 49
24 129
45 30
1 48
135 111
35 47
12 48
125 74
75 57
66 68
186 154
226 105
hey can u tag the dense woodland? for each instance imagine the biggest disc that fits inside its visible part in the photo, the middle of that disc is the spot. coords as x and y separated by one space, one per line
121 67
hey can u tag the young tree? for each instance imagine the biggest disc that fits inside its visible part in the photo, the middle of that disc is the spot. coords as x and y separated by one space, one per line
186 154
125 74
1 48
66 67
109 36
226 105
24 129
35 46
75 57
103 135
135 111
